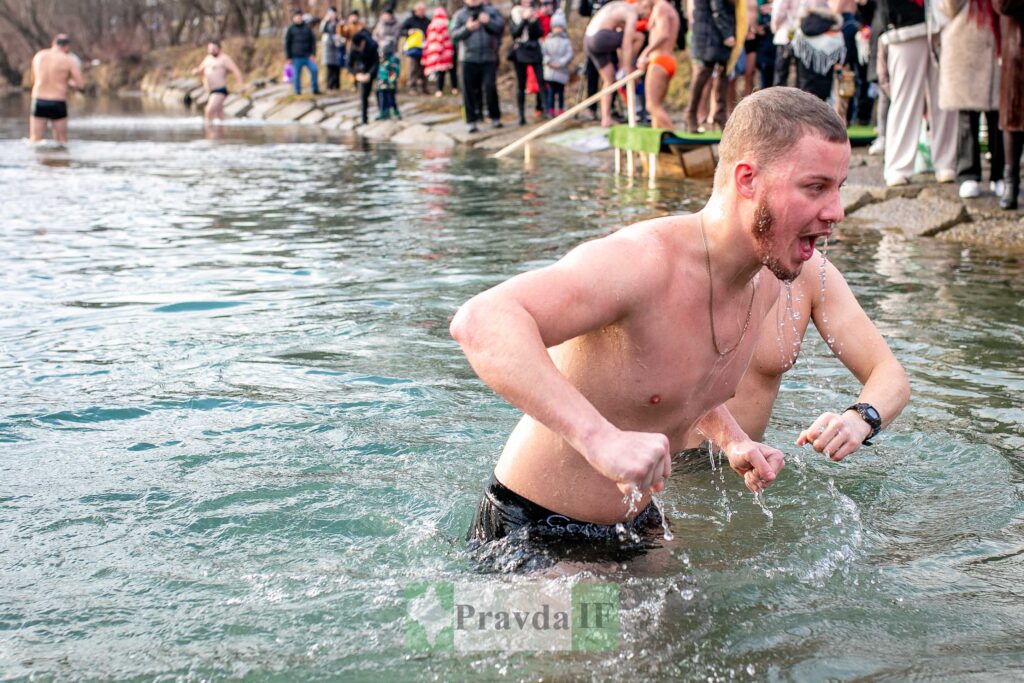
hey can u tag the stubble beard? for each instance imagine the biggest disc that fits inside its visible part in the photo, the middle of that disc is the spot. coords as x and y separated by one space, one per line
764 230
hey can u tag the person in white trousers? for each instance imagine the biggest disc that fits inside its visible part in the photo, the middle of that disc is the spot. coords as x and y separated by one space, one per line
914 83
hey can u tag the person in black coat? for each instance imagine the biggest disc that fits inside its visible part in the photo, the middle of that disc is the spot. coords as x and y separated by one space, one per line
363 60
525 52
300 50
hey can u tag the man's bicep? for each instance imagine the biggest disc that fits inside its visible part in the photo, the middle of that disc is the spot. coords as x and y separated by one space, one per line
855 340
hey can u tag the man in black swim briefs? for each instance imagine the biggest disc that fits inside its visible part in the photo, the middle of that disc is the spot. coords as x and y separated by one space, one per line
627 347
215 68
52 70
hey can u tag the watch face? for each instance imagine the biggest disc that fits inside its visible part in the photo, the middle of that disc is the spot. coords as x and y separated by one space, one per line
872 413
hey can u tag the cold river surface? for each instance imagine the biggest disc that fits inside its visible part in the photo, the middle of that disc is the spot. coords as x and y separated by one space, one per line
234 428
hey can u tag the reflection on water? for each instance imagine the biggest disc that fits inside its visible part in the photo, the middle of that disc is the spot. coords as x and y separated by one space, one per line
235 427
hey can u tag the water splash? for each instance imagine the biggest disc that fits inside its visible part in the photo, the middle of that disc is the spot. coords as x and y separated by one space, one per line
667 533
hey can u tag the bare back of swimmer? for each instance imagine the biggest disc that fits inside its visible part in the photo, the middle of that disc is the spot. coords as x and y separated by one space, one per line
612 36
52 70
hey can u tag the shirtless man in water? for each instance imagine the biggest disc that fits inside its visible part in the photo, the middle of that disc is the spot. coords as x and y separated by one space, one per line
612 34
620 350
850 334
214 68
52 70
659 61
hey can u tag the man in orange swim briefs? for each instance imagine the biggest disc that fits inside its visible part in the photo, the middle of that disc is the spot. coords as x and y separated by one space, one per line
657 58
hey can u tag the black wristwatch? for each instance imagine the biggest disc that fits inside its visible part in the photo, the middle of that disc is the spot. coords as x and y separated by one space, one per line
868 413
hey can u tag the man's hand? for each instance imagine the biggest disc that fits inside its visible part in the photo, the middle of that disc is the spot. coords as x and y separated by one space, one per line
756 463
642 62
473 24
485 18
632 459
836 435
730 41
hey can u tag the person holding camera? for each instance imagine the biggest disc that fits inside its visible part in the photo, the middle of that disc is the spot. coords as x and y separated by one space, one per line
477 29
525 53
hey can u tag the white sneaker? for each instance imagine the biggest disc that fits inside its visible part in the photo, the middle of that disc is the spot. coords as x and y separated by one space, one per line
969 189
997 187
877 147
945 176
893 181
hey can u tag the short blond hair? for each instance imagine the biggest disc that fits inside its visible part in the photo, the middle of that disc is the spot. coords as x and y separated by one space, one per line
769 122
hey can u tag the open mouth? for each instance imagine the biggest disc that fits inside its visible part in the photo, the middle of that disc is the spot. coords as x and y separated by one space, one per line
807 243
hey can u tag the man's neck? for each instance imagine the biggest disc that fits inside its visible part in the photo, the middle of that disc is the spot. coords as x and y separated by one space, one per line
734 262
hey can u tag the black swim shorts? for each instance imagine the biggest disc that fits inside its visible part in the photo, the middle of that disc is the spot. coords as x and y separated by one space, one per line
50 109
220 91
511 532
601 46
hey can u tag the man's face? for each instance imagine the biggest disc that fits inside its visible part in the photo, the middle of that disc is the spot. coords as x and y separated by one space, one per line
420 10
798 203
213 50
472 3
643 8
296 19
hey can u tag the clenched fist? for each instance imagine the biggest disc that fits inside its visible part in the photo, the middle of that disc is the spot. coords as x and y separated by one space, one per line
632 459
756 463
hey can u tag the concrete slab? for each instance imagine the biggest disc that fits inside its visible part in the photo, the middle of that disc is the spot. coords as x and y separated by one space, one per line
261 108
348 125
314 116
381 130
418 135
343 104
459 131
292 111
237 106
429 118
926 216
273 91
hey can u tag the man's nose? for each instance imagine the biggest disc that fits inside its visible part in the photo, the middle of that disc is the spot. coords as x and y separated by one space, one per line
834 212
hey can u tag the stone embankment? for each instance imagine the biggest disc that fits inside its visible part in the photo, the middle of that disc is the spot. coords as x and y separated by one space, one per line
425 122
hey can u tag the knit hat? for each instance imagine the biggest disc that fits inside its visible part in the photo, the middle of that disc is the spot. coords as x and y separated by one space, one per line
558 19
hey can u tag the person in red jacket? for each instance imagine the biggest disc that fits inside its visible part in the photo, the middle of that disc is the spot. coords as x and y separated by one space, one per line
439 53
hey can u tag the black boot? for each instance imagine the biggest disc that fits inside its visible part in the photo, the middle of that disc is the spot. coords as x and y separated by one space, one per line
1013 148
1011 188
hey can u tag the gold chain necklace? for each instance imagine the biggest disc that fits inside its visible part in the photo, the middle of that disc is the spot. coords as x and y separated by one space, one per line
711 300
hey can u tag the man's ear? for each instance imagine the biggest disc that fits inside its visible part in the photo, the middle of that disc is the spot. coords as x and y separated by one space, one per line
744 174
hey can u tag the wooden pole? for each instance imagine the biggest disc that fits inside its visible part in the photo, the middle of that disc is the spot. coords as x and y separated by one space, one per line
569 113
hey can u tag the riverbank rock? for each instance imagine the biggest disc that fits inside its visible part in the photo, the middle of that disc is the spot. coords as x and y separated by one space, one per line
291 112
315 116
381 130
1003 234
274 92
924 215
419 135
262 108
236 105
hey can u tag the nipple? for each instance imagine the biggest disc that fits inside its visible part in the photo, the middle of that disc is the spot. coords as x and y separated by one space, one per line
656 399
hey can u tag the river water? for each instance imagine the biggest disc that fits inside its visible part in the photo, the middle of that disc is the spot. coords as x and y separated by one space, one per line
234 428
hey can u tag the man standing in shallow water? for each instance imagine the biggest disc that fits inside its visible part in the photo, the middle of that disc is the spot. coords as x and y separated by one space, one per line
214 68
52 70
620 350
